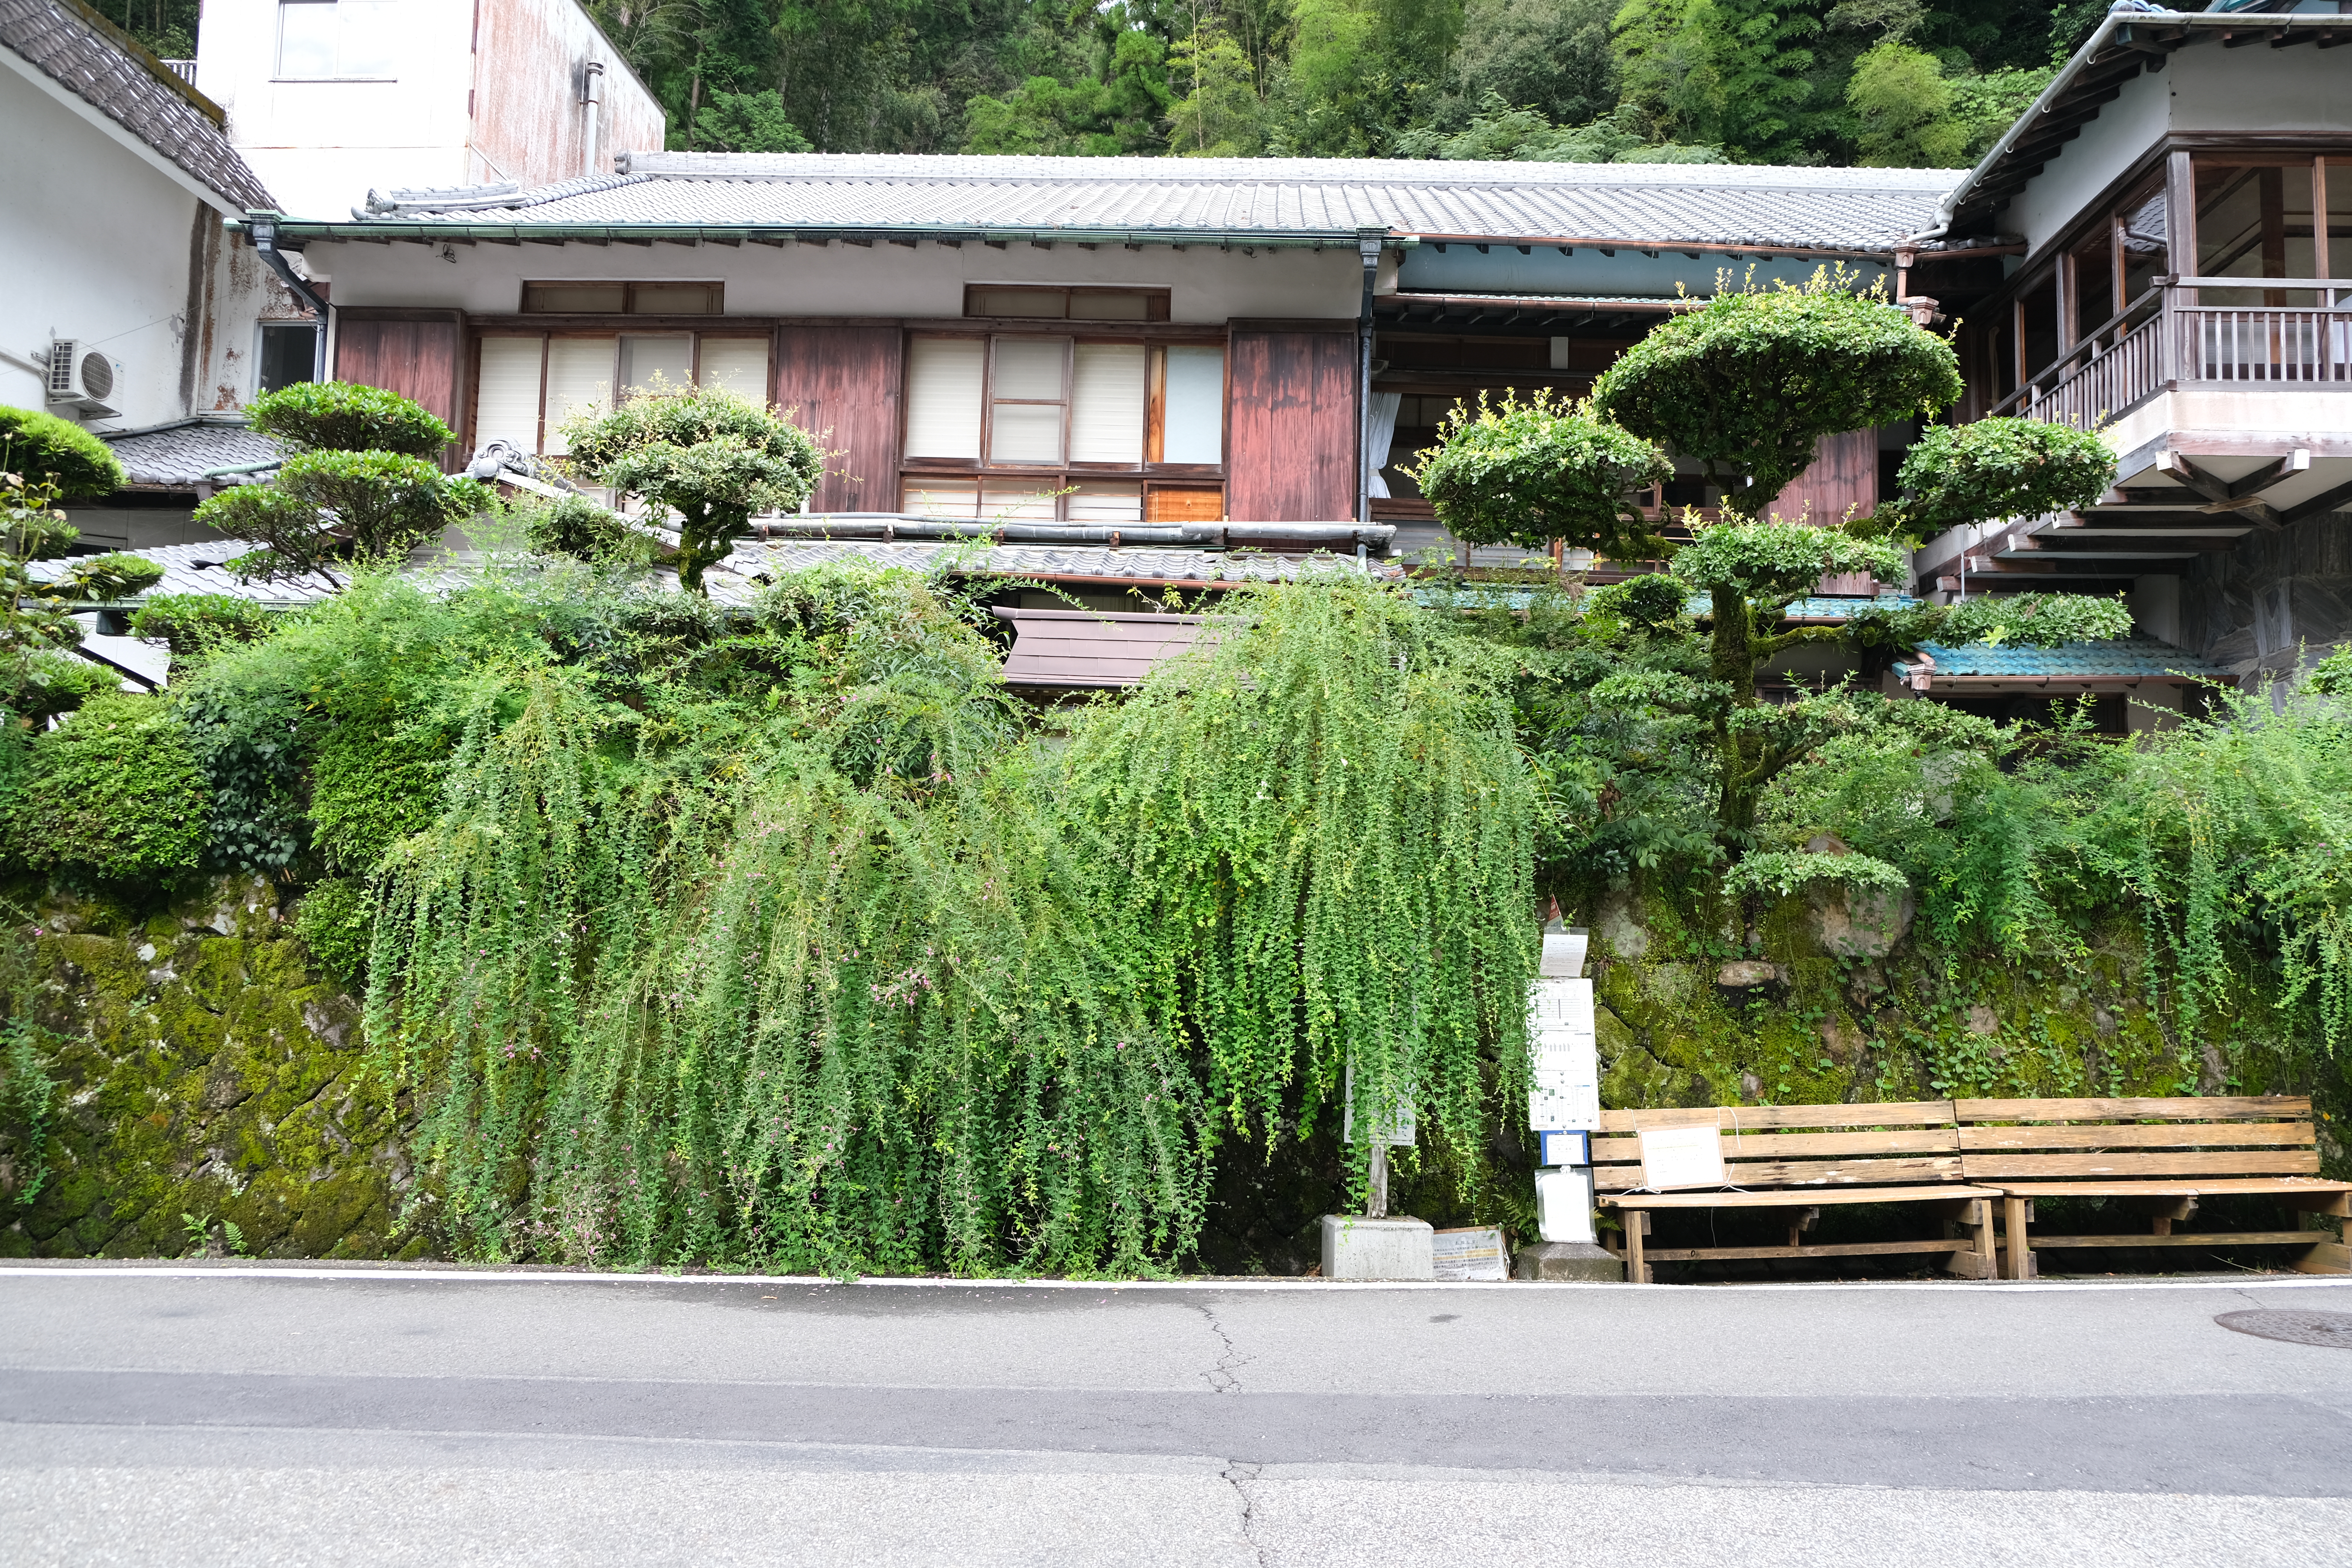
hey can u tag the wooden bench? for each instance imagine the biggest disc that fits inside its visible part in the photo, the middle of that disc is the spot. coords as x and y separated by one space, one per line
1801 1158
2170 1152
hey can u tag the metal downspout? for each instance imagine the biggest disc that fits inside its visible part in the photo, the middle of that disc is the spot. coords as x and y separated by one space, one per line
263 226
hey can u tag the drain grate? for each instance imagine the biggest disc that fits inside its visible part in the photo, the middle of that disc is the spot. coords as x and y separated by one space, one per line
2295 1328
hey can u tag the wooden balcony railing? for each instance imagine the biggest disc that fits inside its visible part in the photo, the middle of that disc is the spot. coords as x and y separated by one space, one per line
2166 336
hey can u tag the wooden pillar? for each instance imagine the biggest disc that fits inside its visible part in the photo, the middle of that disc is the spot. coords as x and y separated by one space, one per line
2020 1256
2319 223
2180 217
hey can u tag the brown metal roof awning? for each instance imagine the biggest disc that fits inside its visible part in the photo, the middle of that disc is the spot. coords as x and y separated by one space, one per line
1082 649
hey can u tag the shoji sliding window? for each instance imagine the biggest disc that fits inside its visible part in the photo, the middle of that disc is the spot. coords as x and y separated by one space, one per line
1015 426
528 385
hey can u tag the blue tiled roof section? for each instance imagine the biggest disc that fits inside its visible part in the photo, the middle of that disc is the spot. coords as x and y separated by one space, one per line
2123 658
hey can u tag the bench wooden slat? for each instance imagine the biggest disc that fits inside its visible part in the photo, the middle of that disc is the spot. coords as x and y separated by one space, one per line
1828 1249
1785 1145
1806 1172
2224 1238
1794 1198
2214 1108
2139 1135
1755 1117
2281 1186
1984 1167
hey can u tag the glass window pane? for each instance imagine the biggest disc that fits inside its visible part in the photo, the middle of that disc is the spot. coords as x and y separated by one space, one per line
306 38
1042 304
2247 215
674 299
1025 433
943 379
1029 368
1194 424
2144 241
1008 504
288 355
1107 308
1106 404
737 365
574 299
648 363
579 384
505 402
1099 503
366 38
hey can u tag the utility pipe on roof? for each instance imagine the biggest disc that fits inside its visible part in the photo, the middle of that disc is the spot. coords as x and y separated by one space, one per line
592 94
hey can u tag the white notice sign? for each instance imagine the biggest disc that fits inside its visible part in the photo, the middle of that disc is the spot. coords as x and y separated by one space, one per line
1564 1077
1474 1254
1681 1157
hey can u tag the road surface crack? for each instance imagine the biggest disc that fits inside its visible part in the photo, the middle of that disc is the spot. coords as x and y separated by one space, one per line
1222 1376
1241 1476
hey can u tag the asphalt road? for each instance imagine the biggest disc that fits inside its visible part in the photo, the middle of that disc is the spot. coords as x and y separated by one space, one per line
256 1416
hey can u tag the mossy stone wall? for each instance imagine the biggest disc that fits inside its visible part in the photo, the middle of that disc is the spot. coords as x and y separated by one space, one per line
201 1068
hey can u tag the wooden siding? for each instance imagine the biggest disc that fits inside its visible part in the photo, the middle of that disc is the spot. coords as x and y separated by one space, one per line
1078 647
841 384
421 355
1290 426
1845 473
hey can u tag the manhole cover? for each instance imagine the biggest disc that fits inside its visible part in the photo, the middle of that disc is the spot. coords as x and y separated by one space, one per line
2295 1328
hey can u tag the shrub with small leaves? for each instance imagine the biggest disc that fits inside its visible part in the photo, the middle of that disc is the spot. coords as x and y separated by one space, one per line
41 447
573 525
344 417
329 507
115 791
194 625
334 921
2035 620
1541 471
1999 467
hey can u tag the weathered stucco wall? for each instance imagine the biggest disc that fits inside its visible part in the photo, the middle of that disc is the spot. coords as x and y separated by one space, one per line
200 1067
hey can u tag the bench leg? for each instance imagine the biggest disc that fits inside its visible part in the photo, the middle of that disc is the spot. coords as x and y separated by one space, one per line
2020 1256
1979 1223
1637 1225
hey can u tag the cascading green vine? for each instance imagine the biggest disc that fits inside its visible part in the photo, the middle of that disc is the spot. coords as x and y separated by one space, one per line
855 974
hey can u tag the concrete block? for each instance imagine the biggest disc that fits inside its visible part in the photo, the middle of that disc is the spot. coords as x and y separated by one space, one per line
1580 1260
1355 1248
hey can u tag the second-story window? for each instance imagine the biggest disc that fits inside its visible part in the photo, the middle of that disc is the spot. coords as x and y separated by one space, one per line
335 40
529 383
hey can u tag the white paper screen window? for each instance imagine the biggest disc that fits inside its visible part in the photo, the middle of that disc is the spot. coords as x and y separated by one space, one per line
942 498
1193 425
1099 503
943 383
649 362
739 365
1026 386
506 404
1106 404
579 381
1013 503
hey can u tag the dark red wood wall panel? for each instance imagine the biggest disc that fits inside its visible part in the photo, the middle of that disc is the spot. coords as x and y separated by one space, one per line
1291 427
1845 473
841 384
420 354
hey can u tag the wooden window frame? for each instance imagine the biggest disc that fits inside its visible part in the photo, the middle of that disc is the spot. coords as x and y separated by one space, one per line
1150 474
1155 304
628 287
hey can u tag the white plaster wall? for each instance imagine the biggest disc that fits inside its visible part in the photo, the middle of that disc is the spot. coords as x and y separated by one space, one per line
319 145
529 123
1206 285
1460 269
95 246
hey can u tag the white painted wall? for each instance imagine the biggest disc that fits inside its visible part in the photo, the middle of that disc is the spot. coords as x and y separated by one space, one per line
1206 285
2108 145
321 145
101 238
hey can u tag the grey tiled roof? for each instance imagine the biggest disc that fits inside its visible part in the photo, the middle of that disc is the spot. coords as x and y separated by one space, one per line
202 569
178 455
2121 658
1830 209
87 55
735 578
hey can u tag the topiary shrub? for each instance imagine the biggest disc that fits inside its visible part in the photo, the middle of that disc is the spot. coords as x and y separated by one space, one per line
1530 472
194 625
344 417
1751 383
710 457
329 507
574 525
1958 474
42 447
115 791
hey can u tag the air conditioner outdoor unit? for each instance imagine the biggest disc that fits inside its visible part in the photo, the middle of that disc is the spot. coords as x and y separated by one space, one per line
82 376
